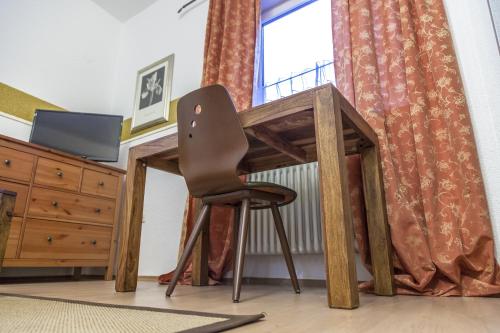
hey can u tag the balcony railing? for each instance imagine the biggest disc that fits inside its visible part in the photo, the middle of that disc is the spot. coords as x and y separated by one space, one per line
323 72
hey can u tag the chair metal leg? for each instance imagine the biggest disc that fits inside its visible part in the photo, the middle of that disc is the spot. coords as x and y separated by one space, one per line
203 217
236 227
240 249
278 222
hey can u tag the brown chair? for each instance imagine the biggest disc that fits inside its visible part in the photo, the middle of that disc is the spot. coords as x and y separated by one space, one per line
211 145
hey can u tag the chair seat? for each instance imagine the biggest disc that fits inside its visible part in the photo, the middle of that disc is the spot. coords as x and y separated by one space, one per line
261 195
288 194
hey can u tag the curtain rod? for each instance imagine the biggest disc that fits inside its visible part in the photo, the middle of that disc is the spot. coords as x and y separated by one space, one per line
187 4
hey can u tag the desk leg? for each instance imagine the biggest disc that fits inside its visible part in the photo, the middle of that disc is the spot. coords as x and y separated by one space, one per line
200 252
378 227
336 215
126 279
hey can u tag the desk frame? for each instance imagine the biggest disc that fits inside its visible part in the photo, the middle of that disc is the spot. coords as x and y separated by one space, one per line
314 125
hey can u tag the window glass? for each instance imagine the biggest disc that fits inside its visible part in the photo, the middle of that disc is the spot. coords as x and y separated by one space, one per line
297 51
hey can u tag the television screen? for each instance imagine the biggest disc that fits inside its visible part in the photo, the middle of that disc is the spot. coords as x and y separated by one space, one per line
91 136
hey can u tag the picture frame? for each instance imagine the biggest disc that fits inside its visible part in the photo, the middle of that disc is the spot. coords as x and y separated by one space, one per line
152 94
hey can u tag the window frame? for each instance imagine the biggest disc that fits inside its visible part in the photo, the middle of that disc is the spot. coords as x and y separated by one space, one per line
268 16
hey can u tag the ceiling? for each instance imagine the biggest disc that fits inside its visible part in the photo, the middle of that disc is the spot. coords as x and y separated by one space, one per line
124 9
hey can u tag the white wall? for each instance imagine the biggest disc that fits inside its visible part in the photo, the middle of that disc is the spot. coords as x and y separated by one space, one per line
152 35
14 127
479 61
61 51
149 36
164 203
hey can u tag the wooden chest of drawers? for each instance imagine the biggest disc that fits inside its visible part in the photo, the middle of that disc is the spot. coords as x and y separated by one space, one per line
67 208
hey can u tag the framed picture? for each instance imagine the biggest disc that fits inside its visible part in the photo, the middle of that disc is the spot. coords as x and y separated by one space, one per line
152 94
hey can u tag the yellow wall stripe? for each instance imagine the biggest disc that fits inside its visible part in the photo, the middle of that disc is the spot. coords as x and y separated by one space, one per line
22 105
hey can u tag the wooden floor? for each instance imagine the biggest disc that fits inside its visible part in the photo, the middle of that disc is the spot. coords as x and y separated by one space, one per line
287 312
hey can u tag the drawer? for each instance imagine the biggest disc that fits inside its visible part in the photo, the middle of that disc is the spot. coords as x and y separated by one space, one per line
15 164
15 233
99 183
58 174
62 240
22 195
68 206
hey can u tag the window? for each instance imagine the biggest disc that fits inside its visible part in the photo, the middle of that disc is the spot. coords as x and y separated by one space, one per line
296 49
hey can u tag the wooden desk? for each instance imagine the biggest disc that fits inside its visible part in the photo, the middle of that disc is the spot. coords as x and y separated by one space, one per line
314 125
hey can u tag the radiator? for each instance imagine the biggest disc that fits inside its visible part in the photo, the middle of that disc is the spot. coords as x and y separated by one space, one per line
301 218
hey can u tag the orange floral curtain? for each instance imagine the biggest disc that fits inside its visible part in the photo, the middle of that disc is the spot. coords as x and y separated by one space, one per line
395 62
229 60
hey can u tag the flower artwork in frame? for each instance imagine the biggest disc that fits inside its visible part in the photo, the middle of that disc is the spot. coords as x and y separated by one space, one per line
152 94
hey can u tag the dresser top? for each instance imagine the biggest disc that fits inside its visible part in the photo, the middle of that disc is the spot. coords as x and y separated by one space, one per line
59 153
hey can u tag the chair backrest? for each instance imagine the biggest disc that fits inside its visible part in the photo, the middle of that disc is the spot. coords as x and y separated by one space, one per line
211 141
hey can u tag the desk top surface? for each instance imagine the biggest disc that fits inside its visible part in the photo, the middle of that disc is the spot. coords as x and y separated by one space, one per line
280 133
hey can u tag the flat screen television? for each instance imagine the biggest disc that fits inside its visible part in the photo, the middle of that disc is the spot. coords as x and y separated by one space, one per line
92 136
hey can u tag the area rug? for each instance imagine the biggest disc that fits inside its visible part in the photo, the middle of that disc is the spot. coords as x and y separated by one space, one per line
30 314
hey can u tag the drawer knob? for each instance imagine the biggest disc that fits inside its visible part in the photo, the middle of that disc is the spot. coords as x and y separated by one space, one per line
100 183
6 162
97 210
49 239
60 174
55 204
9 214
93 242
